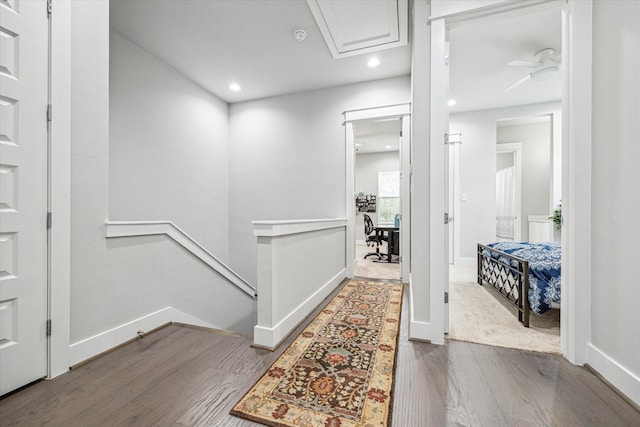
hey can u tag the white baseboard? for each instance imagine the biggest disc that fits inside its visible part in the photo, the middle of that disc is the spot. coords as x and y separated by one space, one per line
619 376
420 330
92 346
264 336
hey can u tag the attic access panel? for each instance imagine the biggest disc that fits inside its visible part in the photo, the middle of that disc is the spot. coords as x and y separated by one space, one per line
352 27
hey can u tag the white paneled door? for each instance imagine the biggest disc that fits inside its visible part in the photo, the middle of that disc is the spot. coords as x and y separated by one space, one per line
24 33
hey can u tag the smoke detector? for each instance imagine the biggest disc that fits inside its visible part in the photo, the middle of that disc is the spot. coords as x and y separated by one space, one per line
300 35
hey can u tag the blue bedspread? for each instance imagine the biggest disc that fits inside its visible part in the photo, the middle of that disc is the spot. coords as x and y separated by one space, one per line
544 270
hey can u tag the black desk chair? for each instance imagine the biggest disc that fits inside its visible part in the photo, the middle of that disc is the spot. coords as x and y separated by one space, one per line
372 238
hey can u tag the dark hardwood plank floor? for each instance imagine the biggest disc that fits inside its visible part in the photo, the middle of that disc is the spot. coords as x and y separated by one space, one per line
183 376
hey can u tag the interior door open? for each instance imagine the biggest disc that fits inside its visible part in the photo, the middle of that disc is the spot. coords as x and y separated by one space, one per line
24 35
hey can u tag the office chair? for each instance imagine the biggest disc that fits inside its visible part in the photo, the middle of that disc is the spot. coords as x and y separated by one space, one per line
372 238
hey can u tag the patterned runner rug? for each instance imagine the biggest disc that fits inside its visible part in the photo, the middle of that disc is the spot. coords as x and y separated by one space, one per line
339 371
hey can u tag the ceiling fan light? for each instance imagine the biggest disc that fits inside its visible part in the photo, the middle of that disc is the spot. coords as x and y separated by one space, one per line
544 73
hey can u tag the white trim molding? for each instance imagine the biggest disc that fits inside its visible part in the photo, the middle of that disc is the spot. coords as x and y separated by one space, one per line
60 192
270 337
92 346
168 228
620 377
400 111
383 112
575 313
285 227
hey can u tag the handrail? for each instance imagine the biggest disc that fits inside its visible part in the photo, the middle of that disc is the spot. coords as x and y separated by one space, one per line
149 228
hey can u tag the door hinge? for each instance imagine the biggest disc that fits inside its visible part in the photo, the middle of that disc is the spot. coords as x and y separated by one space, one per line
49 8
400 134
49 112
48 220
446 217
446 297
452 138
48 327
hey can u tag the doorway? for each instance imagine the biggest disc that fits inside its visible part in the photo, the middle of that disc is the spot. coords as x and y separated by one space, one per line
509 192
362 124
377 185
478 217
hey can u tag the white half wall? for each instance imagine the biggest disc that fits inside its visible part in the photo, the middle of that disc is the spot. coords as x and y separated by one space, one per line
287 158
615 287
299 264
476 217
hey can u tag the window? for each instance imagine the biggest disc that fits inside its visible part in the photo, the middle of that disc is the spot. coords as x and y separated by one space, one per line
388 197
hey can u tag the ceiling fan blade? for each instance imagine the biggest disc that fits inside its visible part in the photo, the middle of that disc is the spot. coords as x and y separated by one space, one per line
517 83
519 63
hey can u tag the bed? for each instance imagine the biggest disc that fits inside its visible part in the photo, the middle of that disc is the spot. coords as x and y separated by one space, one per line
527 274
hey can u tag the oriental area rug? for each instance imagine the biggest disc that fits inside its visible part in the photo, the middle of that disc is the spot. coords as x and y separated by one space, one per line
339 371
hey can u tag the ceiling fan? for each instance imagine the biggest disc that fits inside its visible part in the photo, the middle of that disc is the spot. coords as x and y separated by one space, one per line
545 66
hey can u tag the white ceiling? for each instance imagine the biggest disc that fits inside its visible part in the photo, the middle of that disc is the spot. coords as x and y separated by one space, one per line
216 42
479 52
251 42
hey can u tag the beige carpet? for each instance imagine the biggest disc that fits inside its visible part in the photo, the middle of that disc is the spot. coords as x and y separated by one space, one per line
374 270
480 315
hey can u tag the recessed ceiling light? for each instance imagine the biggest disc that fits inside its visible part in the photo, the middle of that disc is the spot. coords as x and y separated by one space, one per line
373 62
234 87
452 102
359 144
388 147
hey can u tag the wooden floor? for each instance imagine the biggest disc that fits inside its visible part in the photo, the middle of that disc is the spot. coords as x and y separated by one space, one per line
181 376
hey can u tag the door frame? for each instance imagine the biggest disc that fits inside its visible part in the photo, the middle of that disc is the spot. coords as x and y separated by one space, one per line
60 189
516 149
576 169
453 196
402 112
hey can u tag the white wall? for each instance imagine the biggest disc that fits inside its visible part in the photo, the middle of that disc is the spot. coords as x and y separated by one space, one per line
122 280
287 158
367 167
536 168
89 164
168 148
476 216
615 286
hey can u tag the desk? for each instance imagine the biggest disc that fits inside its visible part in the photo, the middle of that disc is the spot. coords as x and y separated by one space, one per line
393 241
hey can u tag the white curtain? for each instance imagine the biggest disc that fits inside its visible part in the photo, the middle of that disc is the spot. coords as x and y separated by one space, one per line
505 198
